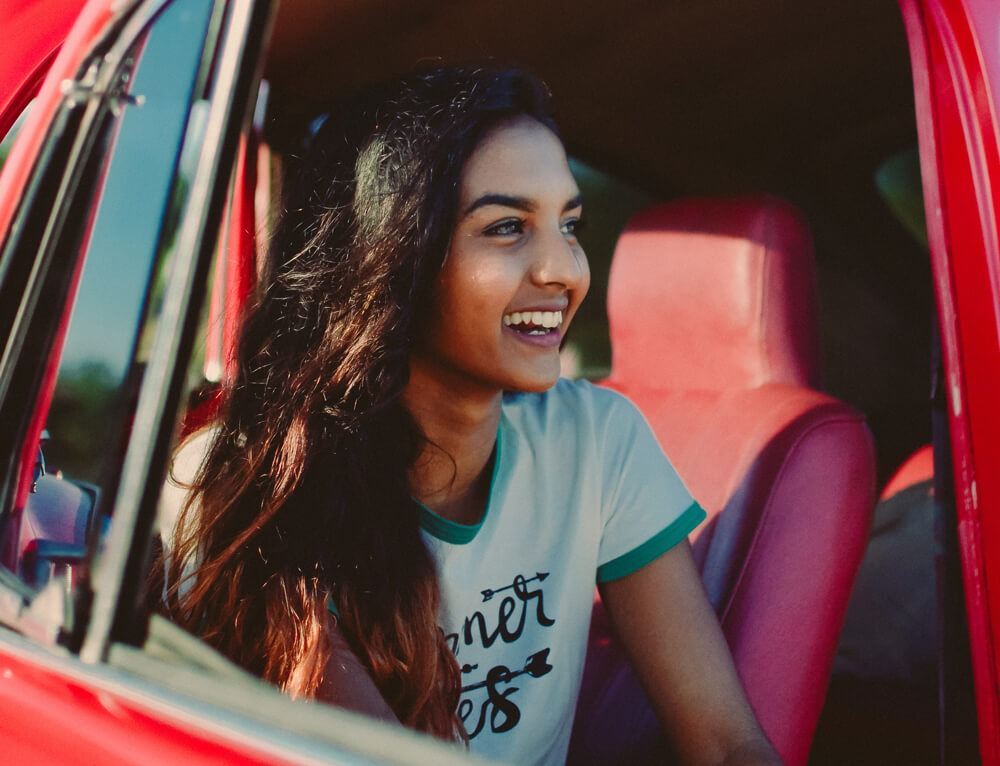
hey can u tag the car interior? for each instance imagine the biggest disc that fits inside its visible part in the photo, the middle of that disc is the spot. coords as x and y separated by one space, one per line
724 289
761 289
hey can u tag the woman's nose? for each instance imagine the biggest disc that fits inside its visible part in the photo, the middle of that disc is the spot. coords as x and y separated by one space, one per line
559 260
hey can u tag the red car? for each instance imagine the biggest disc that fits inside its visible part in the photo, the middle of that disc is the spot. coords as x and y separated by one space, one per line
143 149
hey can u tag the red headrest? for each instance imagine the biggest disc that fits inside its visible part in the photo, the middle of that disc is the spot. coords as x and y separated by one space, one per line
728 285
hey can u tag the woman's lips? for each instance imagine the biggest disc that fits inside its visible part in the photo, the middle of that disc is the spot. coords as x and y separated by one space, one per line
546 339
538 326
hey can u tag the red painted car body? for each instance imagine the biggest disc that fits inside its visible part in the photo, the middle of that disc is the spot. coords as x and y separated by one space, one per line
956 73
57 708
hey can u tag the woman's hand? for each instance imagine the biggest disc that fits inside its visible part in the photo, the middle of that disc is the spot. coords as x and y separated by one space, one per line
681 659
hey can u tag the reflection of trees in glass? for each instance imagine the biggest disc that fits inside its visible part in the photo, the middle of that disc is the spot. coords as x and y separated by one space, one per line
81 420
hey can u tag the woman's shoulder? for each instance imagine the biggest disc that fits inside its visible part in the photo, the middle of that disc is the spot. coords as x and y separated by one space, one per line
181 474
190 455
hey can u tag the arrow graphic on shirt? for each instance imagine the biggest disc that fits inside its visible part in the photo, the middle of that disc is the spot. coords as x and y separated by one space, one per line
519 581
536 666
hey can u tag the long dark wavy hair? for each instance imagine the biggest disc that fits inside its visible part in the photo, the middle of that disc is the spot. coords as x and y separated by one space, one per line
303 496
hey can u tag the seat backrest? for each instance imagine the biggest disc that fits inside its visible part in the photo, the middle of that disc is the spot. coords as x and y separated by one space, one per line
728 286
712 308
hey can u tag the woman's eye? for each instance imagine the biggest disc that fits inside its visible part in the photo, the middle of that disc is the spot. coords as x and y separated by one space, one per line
506 228
572 227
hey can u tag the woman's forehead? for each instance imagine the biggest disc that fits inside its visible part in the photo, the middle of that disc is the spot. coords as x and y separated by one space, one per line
519 157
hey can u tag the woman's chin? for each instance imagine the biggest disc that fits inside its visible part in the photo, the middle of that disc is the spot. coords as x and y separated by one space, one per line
536 383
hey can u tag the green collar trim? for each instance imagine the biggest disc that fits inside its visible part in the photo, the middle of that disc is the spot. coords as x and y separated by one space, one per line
451 531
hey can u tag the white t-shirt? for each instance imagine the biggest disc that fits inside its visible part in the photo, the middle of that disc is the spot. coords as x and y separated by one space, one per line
581 493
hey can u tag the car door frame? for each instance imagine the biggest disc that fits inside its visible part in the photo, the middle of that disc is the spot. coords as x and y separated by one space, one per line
955 54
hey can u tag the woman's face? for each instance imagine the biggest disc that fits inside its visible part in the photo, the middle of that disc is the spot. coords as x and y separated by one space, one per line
515 273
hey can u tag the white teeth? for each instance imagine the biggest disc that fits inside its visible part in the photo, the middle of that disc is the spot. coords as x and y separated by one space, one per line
546 319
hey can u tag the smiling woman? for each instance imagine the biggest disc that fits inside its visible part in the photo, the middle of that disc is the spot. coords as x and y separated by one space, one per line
400 507
111 204
514 263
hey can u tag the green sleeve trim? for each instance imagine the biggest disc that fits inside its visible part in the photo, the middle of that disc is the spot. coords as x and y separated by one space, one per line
654 547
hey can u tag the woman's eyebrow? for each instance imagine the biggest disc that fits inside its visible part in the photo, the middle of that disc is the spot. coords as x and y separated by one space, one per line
519 203
507 200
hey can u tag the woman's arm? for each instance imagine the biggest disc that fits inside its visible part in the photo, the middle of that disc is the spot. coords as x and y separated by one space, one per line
681 659
347 684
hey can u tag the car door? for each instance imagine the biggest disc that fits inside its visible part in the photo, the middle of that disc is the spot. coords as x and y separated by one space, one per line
108 201
955 53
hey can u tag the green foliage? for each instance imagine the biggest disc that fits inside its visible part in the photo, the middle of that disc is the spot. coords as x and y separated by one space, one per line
81 421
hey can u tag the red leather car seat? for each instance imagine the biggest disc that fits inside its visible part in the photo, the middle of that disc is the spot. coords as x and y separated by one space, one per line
712 309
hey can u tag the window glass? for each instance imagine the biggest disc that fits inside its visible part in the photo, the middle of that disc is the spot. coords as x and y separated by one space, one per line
105 351
153 148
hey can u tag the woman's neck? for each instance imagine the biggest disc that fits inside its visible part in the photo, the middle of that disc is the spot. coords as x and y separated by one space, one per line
451 476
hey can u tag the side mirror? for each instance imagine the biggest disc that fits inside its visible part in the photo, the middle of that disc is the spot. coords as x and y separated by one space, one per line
54 569
46 560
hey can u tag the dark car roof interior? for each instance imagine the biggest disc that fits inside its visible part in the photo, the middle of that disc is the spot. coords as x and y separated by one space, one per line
800 98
